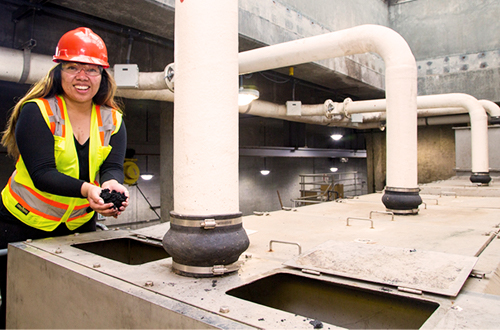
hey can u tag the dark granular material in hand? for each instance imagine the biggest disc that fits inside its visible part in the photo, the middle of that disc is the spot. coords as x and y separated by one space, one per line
113 197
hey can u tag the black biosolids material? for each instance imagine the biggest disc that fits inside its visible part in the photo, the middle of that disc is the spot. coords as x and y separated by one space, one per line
113 197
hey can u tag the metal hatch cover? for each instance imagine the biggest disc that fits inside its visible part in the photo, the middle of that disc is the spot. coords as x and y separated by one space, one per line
428 271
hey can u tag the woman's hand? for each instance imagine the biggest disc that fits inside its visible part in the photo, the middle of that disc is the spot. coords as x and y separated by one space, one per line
114 185
93 195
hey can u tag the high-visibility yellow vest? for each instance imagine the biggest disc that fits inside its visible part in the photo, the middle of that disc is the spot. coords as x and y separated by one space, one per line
46 211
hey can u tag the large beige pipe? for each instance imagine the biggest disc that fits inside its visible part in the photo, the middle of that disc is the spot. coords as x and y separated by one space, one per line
205 121
206 234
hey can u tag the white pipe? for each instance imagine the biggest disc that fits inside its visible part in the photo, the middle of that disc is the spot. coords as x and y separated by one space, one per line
206 97
400 80
434 116
450 103
156 95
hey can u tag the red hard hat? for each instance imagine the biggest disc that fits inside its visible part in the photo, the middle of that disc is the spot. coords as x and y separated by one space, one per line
82 45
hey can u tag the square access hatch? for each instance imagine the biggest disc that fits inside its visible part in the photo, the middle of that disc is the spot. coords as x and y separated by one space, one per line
406 269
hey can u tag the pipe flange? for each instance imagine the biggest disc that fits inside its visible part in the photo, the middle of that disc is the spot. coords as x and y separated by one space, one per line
346 104
169 76
329 108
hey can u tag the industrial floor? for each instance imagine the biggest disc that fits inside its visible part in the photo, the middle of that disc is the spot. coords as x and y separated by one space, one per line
341 264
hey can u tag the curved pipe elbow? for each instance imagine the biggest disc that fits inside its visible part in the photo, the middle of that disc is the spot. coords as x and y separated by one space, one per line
466 101
382 40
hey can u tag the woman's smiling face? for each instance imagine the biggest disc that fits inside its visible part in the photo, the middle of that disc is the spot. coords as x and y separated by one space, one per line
80 82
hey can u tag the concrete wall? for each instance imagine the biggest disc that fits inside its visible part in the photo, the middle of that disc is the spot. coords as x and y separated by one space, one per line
376 160
455 43
443 28
436 155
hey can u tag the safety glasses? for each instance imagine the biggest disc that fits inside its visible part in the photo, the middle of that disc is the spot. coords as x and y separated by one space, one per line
90 70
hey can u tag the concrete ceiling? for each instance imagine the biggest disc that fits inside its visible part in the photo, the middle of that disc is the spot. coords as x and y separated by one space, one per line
151 17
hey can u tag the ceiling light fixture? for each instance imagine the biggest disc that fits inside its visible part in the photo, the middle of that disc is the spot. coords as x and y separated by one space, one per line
146 176
247 95
336 137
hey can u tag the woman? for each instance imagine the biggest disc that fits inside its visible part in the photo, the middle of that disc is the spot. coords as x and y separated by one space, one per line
69 140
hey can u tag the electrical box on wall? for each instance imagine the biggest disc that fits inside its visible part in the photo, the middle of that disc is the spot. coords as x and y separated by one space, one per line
126 75
293 108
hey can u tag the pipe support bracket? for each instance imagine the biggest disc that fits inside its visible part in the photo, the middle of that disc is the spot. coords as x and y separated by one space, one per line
26 47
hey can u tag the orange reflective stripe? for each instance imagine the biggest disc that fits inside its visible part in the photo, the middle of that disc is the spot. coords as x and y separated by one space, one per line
29 208
61 107
99 123
47 107
84 206
98 113
50 114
